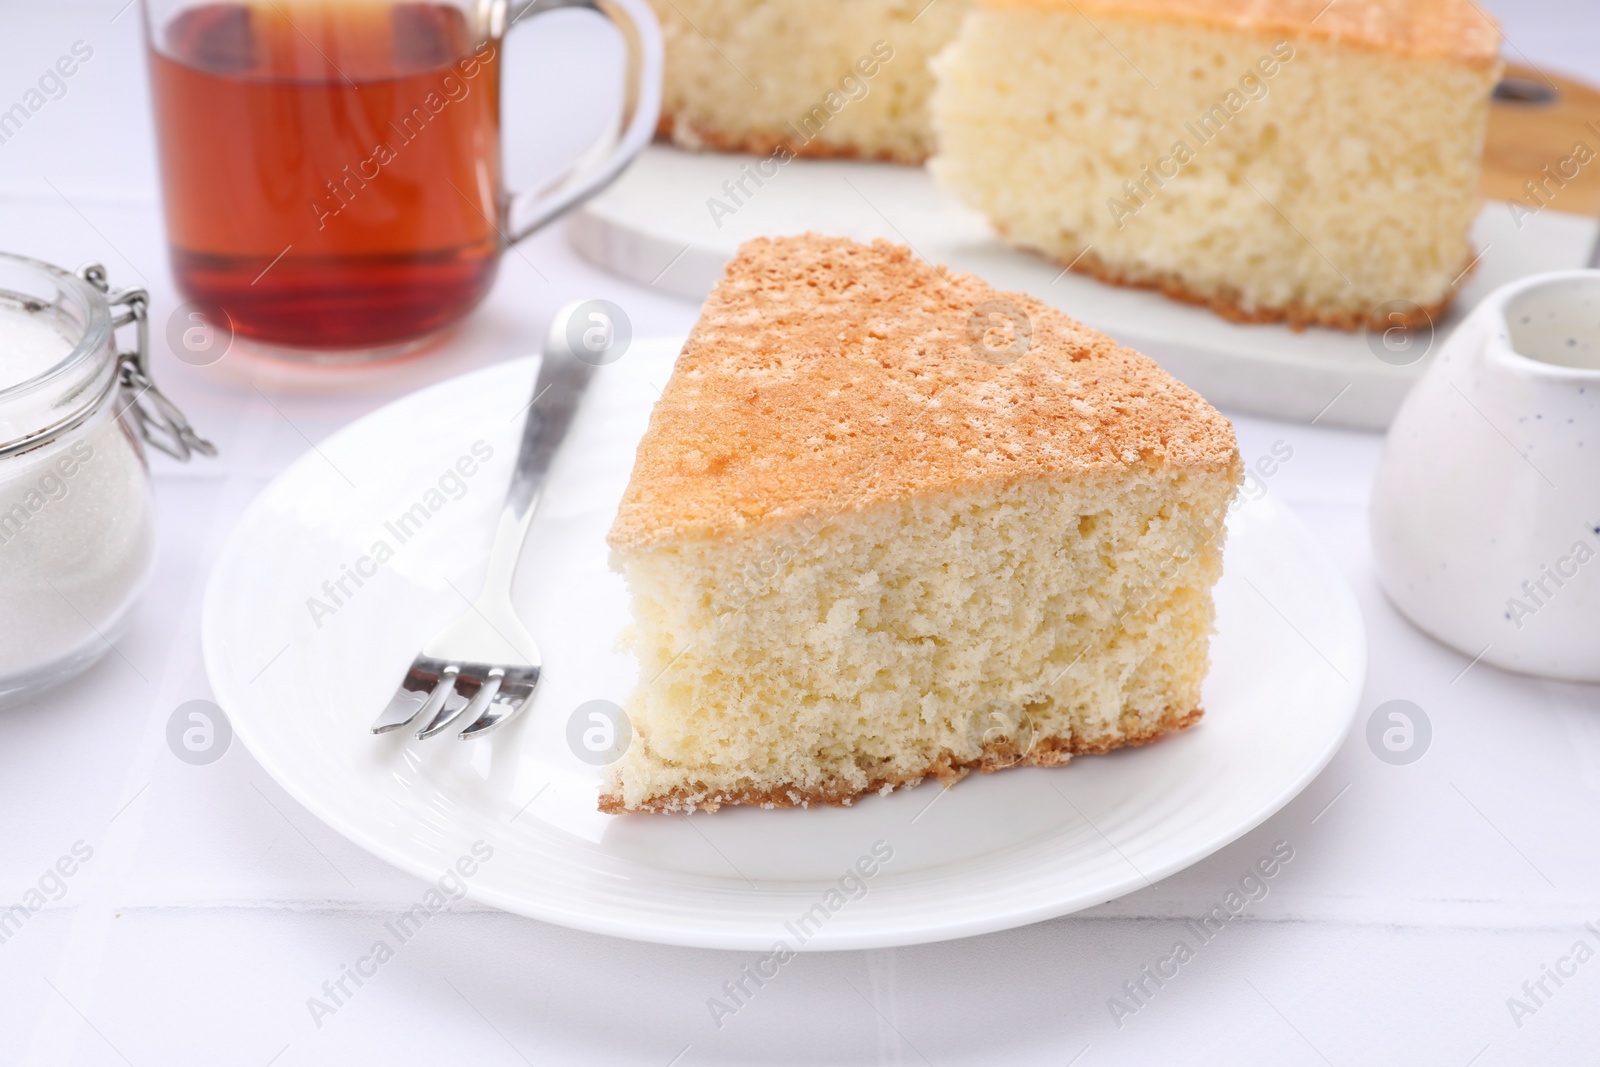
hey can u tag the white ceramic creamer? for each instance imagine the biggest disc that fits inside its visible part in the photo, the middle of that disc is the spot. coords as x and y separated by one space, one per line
1486 507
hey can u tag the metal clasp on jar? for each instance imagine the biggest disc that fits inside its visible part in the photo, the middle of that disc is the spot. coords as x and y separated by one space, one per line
160 423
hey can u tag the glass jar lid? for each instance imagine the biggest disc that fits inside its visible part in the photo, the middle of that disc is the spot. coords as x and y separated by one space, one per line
59 360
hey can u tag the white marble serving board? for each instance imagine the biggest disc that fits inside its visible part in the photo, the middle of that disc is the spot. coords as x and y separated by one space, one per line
654 226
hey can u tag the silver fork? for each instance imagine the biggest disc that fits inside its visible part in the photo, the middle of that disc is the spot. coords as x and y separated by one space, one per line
484 666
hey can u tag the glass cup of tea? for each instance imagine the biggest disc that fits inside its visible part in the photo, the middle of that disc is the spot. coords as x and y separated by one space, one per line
331 168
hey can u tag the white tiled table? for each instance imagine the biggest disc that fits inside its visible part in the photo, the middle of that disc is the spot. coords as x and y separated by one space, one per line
1420 897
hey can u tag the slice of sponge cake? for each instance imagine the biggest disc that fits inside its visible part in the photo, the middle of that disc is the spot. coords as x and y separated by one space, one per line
1292 160
887 522
812 77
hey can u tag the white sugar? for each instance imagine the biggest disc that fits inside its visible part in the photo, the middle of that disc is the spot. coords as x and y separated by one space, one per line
29 346
77 534
77 529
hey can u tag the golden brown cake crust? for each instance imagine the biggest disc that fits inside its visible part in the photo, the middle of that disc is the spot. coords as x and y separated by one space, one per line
825 376
1456 30
765 143
1296 317
1044 752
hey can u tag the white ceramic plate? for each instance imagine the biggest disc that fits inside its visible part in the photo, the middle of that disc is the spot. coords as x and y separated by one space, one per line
997 851
653 226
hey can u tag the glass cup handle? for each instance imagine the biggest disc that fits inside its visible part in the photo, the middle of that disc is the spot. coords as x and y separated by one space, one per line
641 107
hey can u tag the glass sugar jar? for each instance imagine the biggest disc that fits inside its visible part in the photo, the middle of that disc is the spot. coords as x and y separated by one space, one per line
77 520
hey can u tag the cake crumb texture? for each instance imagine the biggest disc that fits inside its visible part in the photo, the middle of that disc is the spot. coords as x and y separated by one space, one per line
820 78
1284 161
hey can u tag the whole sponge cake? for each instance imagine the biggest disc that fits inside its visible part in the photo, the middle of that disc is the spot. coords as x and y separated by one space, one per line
1277 160
867 541
814 77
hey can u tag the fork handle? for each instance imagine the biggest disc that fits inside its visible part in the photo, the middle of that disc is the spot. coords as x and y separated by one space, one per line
556 393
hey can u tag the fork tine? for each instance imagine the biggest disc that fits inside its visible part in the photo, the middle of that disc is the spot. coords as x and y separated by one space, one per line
498 714
506 706
418 696
444 704
484 696
403 709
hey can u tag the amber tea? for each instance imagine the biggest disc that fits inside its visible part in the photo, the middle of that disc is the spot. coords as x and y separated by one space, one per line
331 171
